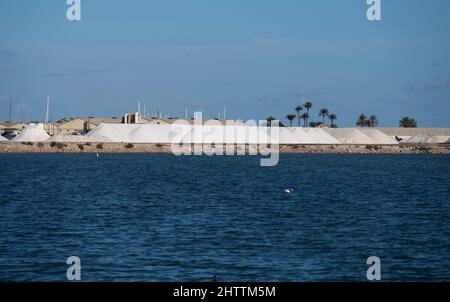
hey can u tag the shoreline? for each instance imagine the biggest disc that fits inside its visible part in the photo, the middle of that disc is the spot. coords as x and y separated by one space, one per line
16 147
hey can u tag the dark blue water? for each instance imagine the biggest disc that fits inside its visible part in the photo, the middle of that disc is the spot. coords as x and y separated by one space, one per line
166 218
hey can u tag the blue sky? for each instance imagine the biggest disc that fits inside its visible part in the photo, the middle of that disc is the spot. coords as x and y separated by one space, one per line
256 57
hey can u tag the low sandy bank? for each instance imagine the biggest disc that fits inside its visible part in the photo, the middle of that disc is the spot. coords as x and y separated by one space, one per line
15 147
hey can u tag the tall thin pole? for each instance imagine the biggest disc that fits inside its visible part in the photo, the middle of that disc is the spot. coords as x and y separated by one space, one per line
186 114
224 112
47 110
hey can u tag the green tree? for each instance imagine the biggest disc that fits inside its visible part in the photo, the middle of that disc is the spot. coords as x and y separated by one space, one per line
298 109
332 118
323 113
372 121
362 120
305 117
290 118
407 122
269 120
308 105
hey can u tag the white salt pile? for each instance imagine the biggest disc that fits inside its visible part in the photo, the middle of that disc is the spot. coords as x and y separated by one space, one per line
438 139
152 134
166 134
211 134
322 136
78 139
287 137
417 139
114 132
427 139
379 137
296 136
32 133
350 136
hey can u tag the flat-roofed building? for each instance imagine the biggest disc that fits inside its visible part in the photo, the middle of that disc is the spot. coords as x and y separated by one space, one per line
92 122
11 129
68 126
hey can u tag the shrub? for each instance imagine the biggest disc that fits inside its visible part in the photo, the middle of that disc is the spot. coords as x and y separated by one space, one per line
372 147
158 145
27 143
424 149
99 146
40 145
129 146
81 147
60 145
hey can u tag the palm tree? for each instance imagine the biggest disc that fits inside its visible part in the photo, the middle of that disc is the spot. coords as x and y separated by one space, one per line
372 121
269 120
308 106
362 120
290 118
323 113
305 117
407 122
298 109
332 118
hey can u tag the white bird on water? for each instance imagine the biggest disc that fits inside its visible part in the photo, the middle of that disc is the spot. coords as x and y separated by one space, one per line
97 154
288 190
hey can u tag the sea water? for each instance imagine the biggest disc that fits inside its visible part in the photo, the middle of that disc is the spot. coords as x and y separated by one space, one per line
151 217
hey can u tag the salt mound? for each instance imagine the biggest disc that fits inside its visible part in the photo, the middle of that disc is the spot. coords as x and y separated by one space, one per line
438 139
296 136
287 137
152 133
78 139
322 137
32 133
66 138
3 139
418 139
350 136
379 137
113 132
209 134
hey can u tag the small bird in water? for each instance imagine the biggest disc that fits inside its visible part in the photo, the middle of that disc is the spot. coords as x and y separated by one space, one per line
288 190
97 154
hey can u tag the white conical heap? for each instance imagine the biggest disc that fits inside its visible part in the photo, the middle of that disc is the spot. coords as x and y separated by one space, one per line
322 137
379 137
32 133
113 132
350 136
